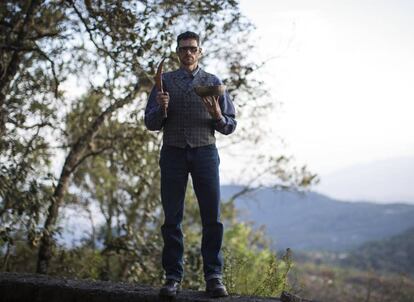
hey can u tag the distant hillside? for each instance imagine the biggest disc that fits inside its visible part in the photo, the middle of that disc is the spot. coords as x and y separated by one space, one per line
395 254
316 222
387 180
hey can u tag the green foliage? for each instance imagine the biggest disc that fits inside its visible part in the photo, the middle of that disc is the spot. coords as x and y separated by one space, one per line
81 262
17 257
22 203
251 267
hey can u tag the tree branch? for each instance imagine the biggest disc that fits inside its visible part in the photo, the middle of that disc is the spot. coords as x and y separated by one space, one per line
52 63
89 154
89 30
11 68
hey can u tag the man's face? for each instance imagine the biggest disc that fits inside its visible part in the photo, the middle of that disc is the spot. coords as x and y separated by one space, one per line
188 52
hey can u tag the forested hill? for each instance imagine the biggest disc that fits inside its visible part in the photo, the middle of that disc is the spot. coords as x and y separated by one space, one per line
316 222
394 254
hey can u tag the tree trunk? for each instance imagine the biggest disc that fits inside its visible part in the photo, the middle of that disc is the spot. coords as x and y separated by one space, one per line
73 160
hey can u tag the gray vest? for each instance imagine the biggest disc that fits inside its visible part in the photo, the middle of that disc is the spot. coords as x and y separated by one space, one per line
188 120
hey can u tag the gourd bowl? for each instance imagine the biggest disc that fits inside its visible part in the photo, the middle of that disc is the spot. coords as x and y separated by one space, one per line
214 90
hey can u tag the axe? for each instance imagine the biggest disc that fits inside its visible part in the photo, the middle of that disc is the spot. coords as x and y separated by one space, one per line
158 81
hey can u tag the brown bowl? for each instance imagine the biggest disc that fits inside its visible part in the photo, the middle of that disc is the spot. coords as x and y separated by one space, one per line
210 90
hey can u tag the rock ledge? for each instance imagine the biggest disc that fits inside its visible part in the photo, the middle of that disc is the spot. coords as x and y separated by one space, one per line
23 287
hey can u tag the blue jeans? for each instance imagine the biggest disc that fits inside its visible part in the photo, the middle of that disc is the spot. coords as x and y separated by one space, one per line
203 164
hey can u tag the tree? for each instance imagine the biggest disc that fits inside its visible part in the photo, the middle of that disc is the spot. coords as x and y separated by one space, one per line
30 74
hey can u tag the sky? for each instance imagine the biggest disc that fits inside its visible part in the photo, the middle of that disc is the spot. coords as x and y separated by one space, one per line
343 72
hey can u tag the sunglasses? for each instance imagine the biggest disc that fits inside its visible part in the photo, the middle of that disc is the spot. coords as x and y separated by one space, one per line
184 49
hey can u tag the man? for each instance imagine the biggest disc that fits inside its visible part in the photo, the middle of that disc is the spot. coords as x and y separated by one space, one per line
189 147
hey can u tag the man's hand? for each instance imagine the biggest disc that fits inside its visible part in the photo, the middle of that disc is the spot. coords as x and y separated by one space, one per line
213 107
163 98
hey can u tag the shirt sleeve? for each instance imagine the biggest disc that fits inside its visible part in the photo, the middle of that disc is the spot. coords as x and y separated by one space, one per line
154 115
227 124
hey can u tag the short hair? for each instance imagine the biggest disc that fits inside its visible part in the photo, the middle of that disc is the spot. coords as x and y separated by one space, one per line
188 35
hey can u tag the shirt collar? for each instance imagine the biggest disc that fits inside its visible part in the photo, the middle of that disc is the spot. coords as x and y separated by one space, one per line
184 73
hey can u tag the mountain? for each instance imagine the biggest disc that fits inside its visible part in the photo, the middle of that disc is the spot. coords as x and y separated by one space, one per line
382 181
312 221
394 254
